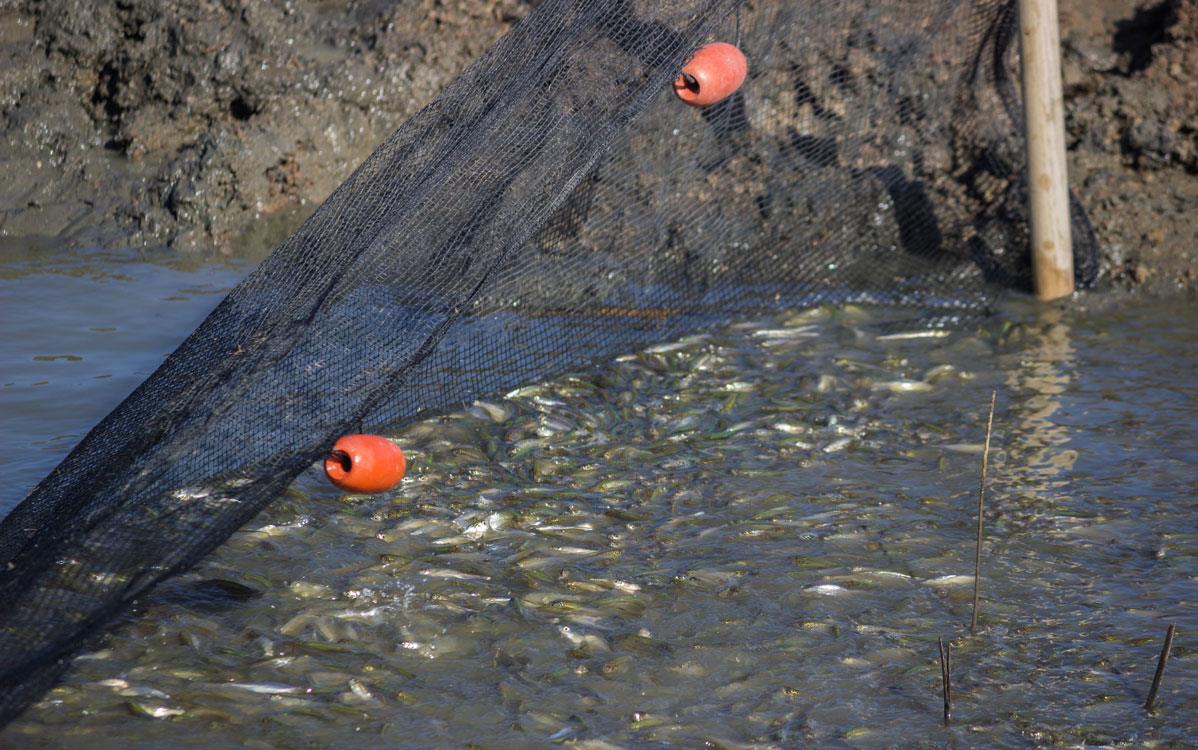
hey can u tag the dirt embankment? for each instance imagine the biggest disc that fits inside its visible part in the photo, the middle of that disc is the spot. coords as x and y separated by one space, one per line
194 122
217 123
1131 88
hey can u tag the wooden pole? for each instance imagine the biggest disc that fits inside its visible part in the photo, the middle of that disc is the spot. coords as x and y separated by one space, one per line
1044 120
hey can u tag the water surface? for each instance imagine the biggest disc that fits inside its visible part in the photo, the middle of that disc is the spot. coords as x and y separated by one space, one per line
80 331
748 538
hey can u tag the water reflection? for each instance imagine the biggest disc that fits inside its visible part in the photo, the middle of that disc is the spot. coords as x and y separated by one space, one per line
1046 370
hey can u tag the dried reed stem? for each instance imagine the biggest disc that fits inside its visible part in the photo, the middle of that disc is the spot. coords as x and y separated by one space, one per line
1160 668
977 556
946 667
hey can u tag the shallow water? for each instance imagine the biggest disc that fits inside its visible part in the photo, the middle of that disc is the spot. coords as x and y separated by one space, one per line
80 331
749 538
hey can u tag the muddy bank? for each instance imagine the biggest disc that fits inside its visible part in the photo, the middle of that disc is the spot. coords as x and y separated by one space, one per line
216 126
192 122
1131 87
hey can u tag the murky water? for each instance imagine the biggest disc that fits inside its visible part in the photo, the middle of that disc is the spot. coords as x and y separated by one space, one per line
78 332
750 538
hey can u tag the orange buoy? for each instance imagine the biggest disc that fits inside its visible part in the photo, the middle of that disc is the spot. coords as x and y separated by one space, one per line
715 73
365 463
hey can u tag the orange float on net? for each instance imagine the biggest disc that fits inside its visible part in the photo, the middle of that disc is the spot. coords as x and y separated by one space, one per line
365 463
715 73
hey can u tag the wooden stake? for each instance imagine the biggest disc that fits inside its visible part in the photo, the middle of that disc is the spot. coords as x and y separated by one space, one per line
1047 172
977 555
1160 668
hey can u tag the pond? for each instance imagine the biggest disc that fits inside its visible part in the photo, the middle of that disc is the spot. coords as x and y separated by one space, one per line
748 538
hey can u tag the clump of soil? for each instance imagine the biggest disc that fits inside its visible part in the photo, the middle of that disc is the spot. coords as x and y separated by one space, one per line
206 124
1131 88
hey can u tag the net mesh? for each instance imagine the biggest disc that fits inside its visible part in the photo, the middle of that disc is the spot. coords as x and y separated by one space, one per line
555 206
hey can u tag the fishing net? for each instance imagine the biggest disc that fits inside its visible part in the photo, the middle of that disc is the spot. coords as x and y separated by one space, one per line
555 206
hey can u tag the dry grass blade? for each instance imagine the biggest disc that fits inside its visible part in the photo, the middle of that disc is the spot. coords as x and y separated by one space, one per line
1160 668
946 666
977 557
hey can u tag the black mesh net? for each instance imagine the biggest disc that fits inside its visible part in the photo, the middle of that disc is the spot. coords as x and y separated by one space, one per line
555 206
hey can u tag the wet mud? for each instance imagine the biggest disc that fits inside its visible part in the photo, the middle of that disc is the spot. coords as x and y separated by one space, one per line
190 123
215 127
1131 88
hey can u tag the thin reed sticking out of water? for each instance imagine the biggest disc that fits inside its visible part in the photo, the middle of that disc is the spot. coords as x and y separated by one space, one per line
977 556
1160 668
946 667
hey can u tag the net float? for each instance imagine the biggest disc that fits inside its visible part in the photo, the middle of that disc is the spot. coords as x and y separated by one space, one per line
365 464
714 73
